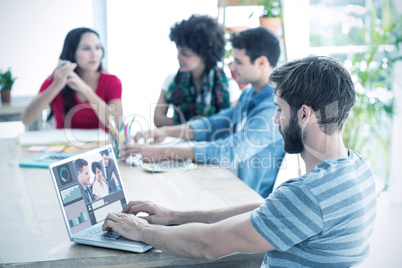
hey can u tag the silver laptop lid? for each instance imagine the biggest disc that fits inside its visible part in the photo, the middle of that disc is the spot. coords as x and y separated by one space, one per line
88 187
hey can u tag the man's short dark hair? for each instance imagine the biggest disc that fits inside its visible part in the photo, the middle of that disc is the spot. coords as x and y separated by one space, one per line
203 35
106 152
79 164
321 83
258 42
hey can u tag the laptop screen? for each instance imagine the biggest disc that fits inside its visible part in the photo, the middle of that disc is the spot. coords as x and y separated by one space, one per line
88 186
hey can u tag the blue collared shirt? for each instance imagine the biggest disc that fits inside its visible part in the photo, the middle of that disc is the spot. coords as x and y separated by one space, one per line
244 137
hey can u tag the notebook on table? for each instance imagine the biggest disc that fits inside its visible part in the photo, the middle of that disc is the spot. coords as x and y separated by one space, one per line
43 160
83 214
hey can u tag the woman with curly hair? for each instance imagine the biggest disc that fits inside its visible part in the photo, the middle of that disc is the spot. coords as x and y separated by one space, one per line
199 88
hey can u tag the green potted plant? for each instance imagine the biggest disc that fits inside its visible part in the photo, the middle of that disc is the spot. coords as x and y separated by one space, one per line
272 8
6 83
368 127
271 17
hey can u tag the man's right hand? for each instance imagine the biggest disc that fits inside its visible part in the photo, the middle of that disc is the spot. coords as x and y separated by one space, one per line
126 225
157 135
151 136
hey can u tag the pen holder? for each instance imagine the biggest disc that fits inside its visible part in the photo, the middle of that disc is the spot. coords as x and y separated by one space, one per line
116 142
118 136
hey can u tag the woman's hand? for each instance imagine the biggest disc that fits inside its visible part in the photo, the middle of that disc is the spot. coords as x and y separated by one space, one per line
76 83
62 72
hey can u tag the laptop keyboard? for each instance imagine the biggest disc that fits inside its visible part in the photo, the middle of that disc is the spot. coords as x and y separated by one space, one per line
112 235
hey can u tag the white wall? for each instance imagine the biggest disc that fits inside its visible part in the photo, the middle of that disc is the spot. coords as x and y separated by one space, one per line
32 35
296 28
140 51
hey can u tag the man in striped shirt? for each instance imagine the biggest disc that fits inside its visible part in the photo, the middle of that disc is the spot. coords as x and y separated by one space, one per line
321 219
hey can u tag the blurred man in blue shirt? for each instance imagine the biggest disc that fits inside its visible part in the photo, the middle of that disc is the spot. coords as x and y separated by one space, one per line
244 137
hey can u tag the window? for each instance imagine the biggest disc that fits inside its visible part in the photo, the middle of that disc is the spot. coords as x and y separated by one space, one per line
357 33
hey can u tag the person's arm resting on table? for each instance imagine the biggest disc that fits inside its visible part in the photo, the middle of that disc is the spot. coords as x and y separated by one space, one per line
195 240
207 126
183 131
152 153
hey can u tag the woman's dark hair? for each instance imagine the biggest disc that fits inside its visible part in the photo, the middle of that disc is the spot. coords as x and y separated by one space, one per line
70 47
95 165
203 35
321 83
258 42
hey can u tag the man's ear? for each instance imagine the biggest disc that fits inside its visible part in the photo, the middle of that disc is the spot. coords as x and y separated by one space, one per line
307 115
262 61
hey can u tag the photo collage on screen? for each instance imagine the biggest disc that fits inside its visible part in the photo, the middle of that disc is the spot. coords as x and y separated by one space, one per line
90 187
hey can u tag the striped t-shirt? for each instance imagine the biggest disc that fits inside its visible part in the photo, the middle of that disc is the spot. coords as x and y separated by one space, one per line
322 219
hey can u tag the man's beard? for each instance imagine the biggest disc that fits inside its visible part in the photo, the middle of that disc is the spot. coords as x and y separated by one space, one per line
292 136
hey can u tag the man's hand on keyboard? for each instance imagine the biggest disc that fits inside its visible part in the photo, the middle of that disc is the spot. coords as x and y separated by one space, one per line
111 234
156 214
127 225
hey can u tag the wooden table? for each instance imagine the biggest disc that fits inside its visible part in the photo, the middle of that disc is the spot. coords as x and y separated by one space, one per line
33 233
12 111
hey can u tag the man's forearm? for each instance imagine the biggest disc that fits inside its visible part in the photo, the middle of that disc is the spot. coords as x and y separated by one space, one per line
182 240
211 241
179 153
183 131
210 216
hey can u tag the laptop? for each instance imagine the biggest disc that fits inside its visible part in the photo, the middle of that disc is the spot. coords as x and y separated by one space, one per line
85 208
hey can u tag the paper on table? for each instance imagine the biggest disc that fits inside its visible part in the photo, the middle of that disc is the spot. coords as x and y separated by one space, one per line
169 166
63 136
36 148
55 148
